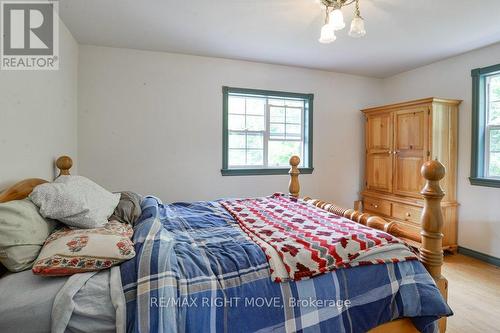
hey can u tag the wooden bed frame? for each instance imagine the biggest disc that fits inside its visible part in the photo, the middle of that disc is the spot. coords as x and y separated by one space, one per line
431 254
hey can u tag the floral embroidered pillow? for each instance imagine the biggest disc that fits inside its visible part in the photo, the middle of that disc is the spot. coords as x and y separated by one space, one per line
69 251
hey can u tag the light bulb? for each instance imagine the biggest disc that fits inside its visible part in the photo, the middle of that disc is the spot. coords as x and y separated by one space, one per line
357 27
327 34
337 19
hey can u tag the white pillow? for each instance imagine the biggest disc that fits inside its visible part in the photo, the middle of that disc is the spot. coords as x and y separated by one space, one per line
75 201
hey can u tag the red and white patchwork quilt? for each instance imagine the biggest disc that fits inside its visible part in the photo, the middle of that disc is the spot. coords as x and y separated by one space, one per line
301 240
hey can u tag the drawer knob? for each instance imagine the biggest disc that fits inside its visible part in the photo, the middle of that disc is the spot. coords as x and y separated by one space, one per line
375 206
408 214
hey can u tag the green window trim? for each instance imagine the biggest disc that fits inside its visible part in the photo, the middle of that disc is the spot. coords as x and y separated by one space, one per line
308 134
262 171
477 173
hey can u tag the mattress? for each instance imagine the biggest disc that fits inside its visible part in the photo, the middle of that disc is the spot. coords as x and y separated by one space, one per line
88 302
25 295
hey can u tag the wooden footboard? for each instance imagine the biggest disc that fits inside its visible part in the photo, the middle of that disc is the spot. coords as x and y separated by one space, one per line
430 252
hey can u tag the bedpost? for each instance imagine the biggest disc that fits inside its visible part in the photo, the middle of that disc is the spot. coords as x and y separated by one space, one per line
64 163
294 186
431 252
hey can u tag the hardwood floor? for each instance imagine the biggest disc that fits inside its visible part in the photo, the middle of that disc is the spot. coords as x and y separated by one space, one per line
473 295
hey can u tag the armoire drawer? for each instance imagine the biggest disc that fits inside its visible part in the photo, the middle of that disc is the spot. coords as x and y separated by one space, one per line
406 213
376 206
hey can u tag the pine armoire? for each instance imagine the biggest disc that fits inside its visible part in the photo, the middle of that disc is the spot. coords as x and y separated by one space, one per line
399 138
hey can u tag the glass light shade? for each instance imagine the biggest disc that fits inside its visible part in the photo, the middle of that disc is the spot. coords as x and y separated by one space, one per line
327 34
357 27
337 19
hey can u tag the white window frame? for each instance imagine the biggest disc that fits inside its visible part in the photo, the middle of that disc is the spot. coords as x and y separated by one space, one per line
266 133
488 128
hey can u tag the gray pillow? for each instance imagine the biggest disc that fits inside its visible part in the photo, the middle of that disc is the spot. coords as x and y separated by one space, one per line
22 233
128 209
76 201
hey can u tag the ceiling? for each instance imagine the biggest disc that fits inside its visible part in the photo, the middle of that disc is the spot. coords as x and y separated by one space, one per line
401 34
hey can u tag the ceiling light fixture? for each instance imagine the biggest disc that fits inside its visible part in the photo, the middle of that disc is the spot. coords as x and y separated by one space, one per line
334 20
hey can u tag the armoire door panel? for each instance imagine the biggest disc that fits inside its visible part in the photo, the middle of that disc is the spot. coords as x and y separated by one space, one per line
379 132
408 180
379 144
379 172
410 130
410 142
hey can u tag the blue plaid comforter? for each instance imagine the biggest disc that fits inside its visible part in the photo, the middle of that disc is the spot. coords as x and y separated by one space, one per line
196 271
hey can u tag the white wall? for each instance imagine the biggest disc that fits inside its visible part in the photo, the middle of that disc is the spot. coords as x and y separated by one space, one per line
38 114
479 213
152 122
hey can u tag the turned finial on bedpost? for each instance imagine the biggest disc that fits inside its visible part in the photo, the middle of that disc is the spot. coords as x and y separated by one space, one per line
64 163
294 187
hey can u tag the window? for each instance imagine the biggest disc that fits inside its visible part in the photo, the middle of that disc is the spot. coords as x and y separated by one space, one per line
485 167
262 129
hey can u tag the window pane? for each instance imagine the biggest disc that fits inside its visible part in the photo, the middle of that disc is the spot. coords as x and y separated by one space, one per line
236 122
277 115
495 140
255 157
494 167
494 88
277 131
256 106
236 157
236 104
280 152
255 141
296 103
255 123
494 113
277 102
293 131
293 115
236 140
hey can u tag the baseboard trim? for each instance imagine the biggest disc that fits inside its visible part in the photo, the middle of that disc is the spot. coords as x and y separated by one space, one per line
480 256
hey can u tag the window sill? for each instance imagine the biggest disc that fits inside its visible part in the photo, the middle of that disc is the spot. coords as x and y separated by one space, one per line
485 182
262 172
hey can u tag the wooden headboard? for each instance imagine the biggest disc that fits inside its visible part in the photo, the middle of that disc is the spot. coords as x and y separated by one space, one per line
23 188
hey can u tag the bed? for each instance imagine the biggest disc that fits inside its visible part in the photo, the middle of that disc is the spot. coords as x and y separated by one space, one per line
196 269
